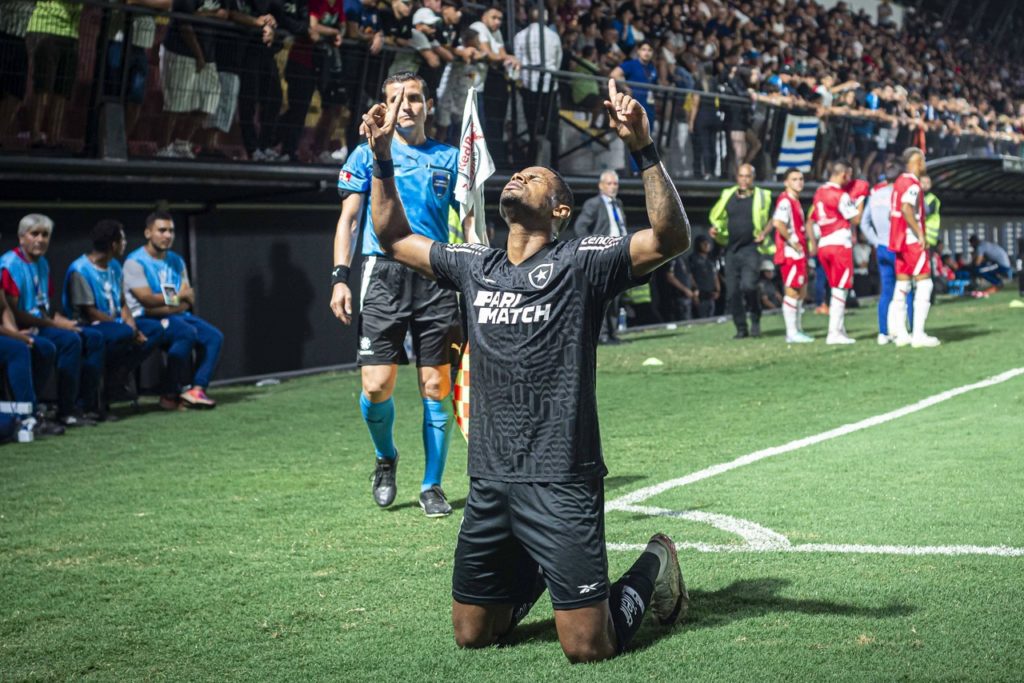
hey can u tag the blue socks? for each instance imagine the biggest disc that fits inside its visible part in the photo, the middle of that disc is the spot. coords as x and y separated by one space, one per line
380 420
435 441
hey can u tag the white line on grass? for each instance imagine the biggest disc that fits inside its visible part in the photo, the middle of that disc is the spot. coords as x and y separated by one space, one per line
997 550
757 538
643 494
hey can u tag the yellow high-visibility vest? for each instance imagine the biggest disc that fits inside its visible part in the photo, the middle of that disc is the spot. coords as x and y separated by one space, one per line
932 221
762 207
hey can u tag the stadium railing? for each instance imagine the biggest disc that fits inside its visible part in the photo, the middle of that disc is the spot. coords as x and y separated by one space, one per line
116 101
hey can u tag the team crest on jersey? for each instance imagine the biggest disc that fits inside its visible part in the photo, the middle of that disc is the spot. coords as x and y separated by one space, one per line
440 181
344 176
540 275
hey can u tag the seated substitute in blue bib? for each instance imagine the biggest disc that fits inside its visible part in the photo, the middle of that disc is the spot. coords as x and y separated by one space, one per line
394 300
93 296
25 275
157 290
16 361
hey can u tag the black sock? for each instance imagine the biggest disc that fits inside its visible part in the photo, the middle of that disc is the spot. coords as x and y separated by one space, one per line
631 596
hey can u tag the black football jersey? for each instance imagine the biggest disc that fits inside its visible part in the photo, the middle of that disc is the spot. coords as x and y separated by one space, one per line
533 331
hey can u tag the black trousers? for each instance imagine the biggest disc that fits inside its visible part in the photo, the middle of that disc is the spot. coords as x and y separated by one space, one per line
741 273
495 106
260 87
540 111
704 154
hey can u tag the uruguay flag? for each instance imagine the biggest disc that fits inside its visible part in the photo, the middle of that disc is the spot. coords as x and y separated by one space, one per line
798 140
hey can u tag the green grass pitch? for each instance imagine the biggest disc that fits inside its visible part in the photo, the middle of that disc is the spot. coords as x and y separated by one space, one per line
242 543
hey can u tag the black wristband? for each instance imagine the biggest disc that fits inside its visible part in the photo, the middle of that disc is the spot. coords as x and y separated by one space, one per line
340 274
383 168
646 157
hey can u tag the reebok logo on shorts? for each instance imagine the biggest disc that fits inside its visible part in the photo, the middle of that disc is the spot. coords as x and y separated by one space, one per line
588 587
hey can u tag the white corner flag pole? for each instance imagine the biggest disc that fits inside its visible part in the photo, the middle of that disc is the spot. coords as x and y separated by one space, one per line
475 167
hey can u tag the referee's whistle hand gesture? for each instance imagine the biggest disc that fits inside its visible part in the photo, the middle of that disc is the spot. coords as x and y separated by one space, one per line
379 124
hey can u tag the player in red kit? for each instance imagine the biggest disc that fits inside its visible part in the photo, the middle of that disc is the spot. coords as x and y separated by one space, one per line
907 242
791 255
832 212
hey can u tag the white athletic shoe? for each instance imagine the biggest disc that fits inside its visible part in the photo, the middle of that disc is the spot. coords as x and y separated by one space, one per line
839 338
799 338
883 339
902 340
924 341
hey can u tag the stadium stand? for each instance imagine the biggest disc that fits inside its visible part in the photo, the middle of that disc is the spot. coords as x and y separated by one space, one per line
730 78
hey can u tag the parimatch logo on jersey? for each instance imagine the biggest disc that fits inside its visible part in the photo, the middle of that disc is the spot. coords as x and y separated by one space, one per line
502 308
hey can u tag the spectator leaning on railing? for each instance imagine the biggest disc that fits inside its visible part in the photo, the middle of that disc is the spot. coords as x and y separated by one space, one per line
14 19
53 40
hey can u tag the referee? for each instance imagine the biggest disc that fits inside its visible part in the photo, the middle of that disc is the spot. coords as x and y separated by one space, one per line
534 517
395 300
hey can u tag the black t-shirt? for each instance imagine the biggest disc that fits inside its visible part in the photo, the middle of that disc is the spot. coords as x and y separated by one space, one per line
533 331
703 270
204 32
741 221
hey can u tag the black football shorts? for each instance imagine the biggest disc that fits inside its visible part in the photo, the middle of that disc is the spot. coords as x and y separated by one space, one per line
509 529
394 300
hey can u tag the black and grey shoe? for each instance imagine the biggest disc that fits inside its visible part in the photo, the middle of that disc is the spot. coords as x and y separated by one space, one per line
670 600
755 330
44 427
77 420
384 487
434 502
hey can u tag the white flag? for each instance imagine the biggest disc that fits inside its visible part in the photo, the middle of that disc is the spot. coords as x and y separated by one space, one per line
475 167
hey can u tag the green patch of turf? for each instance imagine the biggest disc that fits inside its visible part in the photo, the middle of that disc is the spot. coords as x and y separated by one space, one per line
242 543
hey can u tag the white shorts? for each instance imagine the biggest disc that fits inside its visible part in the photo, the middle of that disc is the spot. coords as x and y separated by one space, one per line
185 90
227 104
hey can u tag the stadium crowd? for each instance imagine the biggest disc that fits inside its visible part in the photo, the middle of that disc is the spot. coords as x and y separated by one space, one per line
239 78
97 328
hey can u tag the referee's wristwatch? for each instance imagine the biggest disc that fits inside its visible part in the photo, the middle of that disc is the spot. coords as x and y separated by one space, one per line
339 274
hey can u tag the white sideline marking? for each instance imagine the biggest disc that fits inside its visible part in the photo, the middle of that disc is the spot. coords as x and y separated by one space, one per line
757 538
997 550
643 494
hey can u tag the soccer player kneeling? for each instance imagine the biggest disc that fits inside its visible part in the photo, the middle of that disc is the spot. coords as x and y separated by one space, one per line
534 517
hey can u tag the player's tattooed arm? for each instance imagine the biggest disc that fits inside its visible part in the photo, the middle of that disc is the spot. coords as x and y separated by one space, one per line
669 234
389 220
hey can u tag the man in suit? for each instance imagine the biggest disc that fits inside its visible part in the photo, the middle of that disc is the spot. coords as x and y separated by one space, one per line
604 215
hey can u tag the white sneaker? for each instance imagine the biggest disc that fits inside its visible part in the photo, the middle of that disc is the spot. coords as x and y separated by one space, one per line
924 341
799 338
839 338
902 340
184 149
883 339
325 158
168 152
340 154
258 155
27 430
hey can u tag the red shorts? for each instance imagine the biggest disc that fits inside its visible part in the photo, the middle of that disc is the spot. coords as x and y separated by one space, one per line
912 260
794 272
838 264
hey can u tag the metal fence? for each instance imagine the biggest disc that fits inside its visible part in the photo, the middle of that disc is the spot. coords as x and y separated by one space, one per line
105 79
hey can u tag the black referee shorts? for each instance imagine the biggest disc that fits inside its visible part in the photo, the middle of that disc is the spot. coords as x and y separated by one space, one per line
394 300
508 530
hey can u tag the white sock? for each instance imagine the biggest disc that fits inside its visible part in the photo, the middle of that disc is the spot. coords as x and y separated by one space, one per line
789 313
898 309
800 314
922 302
837 310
